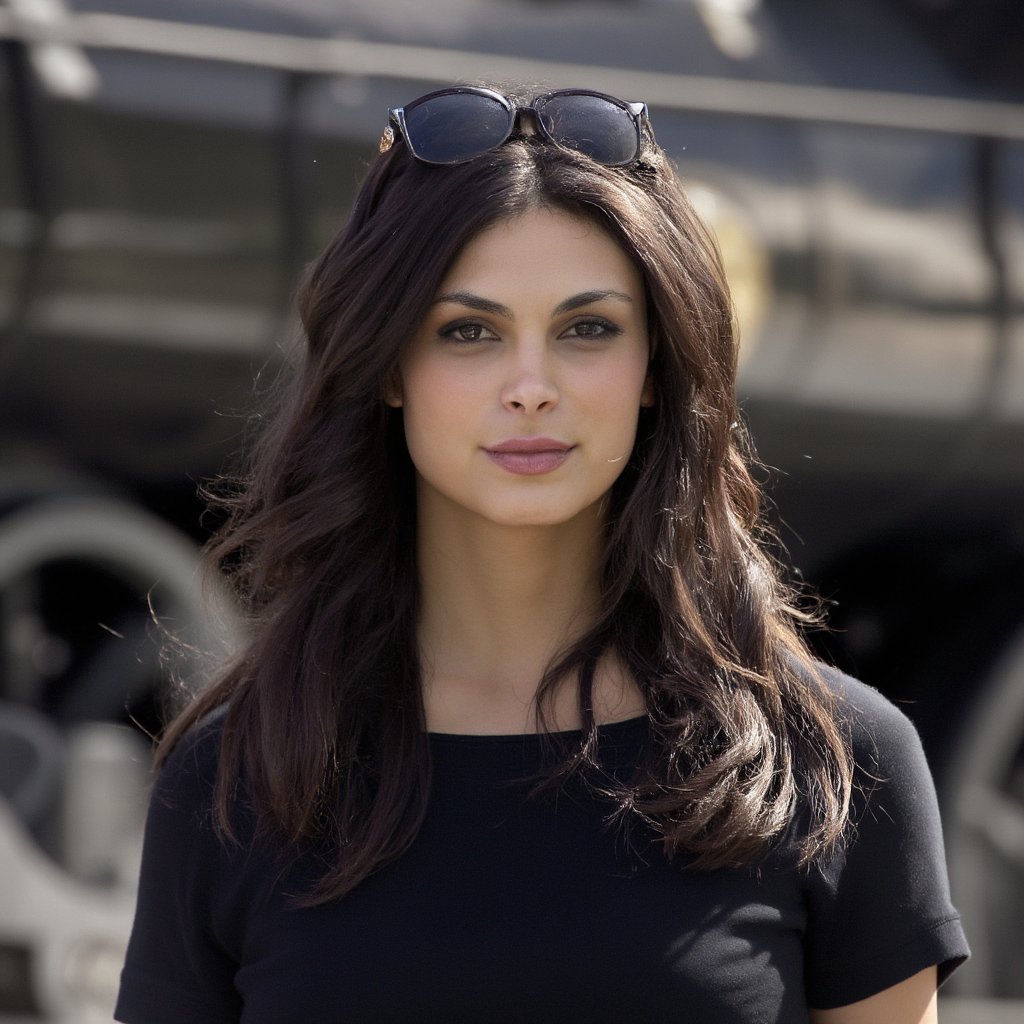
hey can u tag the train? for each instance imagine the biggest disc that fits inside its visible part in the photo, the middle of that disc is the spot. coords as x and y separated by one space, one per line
167 168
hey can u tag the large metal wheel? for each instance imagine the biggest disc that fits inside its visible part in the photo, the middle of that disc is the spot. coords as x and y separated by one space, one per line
983 797
92 591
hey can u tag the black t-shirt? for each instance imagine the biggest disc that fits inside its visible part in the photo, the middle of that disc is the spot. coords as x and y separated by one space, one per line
516 908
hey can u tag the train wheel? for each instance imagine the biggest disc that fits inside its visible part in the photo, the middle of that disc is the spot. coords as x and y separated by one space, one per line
984 821
91 591
90 588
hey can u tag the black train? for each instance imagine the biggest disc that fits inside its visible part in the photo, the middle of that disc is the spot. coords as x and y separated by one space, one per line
167 167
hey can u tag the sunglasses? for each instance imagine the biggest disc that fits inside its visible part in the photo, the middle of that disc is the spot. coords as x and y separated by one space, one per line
454 125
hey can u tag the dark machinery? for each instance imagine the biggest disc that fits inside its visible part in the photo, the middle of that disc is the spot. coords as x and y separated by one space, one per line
167 167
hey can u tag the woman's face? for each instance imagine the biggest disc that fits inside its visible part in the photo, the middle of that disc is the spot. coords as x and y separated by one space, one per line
522 387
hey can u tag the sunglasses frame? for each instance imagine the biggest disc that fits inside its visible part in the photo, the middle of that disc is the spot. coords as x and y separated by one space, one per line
636 111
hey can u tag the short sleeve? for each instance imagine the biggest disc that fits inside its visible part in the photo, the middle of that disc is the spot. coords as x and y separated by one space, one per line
880 910
175 969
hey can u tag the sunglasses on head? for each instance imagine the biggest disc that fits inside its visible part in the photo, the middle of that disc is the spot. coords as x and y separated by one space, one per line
452 126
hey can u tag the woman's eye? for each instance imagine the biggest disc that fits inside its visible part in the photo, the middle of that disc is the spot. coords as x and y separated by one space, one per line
593 328
466 332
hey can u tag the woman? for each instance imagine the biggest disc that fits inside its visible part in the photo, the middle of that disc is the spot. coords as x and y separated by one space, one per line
525 729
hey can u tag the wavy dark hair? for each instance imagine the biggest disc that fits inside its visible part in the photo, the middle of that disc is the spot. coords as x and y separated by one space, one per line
324 718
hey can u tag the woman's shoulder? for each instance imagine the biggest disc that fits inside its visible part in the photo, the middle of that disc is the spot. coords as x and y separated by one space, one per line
893 803
200 744
879 905
880 733
187 773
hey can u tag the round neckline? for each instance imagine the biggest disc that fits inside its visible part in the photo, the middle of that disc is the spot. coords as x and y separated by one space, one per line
606 729
510 758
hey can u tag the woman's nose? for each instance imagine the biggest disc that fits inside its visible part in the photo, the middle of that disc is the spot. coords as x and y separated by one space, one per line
531 387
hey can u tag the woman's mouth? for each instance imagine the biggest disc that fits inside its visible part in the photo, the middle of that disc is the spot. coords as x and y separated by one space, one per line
529 456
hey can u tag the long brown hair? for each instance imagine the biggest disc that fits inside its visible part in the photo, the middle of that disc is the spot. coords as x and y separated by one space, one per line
324 720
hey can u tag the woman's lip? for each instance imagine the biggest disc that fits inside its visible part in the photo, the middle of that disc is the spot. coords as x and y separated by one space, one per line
530 444
529 463
529 456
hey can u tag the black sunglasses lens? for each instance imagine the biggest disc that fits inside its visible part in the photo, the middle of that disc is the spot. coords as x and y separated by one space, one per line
593 125
453 127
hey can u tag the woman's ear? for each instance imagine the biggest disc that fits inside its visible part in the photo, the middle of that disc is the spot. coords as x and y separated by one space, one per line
393 390
647 395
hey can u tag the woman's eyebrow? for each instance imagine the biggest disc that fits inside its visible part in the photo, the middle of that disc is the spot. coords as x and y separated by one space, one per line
497 309
475 302
585 298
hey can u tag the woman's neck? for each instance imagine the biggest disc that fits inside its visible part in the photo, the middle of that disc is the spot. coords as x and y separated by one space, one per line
498 604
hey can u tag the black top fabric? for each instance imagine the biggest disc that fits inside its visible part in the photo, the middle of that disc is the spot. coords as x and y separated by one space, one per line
511 908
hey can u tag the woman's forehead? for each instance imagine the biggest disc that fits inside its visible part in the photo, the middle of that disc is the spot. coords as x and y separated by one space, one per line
541 248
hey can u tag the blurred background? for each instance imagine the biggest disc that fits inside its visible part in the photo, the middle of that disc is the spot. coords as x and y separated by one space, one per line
168 166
